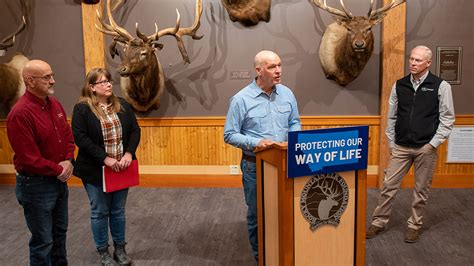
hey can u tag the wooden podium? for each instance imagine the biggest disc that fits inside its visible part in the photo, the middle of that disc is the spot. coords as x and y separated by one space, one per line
285 237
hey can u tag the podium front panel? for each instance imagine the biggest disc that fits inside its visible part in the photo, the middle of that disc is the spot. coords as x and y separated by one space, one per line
270 183
327 244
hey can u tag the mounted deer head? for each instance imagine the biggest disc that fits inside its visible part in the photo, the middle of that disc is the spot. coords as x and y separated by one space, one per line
9 40
142 79
248 12
347 44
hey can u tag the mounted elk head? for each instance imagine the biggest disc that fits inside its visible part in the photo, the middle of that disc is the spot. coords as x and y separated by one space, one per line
142 79
9 40
248 12
347 44
11 79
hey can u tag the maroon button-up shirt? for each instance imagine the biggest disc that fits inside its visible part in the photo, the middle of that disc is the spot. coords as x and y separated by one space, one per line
39 135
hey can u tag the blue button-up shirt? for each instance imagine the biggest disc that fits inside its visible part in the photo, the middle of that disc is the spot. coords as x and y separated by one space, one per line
254 115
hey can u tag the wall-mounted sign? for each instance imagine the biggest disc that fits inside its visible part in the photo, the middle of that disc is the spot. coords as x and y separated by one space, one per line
461 145
329 150
448 64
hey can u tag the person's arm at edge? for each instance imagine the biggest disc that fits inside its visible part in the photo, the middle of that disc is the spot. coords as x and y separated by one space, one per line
446 115
392 117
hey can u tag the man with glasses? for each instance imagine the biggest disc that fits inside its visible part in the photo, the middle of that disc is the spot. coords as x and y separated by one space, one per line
44 150
420 118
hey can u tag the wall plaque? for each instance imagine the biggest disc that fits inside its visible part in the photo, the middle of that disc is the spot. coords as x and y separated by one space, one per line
448 63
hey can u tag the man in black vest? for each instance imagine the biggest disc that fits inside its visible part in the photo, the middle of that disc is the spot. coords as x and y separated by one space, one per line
420 118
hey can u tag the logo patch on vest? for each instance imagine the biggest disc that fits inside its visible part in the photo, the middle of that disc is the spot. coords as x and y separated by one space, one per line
324 199
426 89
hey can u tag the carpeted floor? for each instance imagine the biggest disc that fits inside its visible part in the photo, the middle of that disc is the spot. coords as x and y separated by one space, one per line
205 226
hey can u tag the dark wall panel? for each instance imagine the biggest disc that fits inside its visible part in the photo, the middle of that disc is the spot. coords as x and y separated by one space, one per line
294 31
445 23
204 87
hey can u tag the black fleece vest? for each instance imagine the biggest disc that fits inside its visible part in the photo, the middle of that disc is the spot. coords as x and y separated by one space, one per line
418 112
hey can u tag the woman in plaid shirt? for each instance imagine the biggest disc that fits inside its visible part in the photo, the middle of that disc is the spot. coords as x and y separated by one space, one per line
106 132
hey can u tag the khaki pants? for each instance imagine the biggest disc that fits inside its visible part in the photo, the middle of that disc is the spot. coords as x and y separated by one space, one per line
401 159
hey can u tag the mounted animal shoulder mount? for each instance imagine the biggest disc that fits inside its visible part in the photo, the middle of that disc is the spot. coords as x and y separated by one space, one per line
248 12
347 44
142 79
11 73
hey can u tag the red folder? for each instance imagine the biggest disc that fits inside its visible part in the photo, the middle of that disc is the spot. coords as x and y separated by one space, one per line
113 181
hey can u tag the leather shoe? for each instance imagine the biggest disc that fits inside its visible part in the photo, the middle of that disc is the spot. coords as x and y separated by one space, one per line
373 231
412 235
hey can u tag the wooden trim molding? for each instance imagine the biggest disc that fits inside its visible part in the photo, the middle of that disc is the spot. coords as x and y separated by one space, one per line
220 120
94 43
392 69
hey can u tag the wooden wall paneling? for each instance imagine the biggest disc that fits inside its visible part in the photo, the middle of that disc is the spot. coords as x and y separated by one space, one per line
6 154
94 45
393 59
174 151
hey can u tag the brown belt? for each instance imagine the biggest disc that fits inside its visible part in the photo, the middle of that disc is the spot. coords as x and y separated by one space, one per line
249 158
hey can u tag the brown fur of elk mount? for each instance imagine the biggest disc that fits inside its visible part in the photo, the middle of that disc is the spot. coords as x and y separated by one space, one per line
248 12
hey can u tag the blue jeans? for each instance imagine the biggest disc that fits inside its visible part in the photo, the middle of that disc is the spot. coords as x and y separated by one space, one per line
45 206
107 209
249 180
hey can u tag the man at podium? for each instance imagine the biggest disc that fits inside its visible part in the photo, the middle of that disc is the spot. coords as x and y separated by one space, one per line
259 115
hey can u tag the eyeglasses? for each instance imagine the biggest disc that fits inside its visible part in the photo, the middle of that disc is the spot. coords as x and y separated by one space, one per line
45 77
104 82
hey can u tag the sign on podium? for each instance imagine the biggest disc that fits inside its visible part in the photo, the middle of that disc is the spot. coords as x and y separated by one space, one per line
311 195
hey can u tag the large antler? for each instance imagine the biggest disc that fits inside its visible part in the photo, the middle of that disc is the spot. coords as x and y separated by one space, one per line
120 34
10 39
381 12
178 32
334 11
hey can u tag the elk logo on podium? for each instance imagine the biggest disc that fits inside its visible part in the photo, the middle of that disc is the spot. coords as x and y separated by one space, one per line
324 199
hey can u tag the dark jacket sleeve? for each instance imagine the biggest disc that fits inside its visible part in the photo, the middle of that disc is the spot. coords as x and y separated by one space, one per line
82 130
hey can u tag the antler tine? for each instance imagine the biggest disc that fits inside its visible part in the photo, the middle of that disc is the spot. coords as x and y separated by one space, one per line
140 34
24 10
106 29
178 33
384 9
113 25
4 43
331 10
167 31
371 7
197 22
348 13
